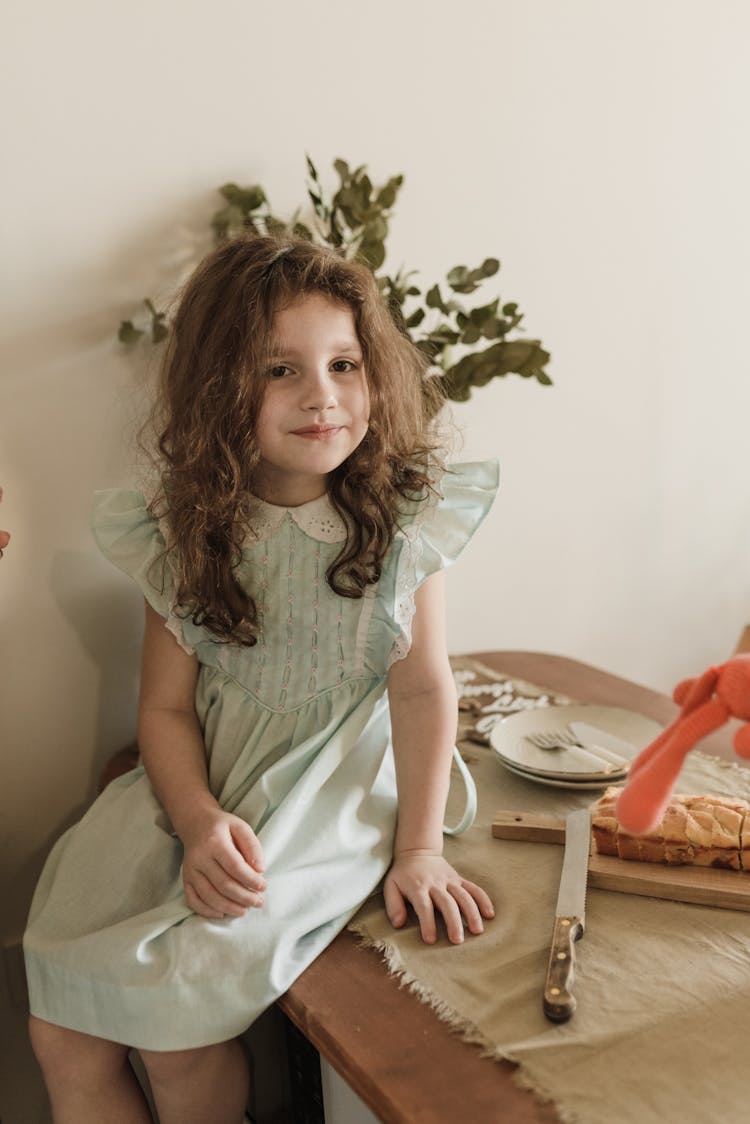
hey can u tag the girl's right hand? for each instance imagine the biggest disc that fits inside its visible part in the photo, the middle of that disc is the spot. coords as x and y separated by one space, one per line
222 867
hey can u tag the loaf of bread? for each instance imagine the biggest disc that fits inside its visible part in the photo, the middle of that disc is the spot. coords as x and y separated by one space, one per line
702 830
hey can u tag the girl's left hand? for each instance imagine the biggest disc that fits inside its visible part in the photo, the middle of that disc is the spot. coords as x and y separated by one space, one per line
429 882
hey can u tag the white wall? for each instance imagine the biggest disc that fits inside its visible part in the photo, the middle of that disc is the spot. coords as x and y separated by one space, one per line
599 149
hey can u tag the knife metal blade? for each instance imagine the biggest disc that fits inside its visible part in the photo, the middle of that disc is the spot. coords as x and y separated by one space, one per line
559 1001
618 750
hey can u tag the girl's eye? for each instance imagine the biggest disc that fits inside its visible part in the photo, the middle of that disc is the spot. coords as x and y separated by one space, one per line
278 372
341 366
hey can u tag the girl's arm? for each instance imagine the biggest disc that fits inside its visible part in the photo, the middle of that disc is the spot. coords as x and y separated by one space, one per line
223 858
422 696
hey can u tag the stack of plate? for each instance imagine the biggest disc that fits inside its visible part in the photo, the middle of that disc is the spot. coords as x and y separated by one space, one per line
603 759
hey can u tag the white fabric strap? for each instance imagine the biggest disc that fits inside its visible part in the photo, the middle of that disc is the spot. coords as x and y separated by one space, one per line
470 808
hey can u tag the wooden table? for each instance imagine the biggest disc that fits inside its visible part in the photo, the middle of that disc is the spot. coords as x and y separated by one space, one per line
390 1048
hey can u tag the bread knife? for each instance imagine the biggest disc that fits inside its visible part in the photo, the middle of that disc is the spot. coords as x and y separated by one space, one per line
614 749
559 1001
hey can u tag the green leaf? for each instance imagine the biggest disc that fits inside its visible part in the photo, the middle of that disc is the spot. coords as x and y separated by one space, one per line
429 348
444 335
522 357
376 229
373 253
355 220
463 280
492 327
386 196
342 168
456 389
487 312
433 299
245 198
159 329
334 237
457 276
471 334
128 332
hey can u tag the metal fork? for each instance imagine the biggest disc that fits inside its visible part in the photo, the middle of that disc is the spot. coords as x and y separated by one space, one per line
565 739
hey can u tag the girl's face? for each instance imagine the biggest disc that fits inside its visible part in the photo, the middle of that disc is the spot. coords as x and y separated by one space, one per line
316 406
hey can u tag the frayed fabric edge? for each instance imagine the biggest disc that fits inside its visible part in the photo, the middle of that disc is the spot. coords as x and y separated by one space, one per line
460 1024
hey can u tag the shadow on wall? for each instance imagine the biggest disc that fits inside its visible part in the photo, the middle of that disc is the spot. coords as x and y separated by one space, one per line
110 281
109 623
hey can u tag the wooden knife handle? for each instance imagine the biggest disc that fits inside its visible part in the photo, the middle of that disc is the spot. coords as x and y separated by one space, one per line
559 1001
529 826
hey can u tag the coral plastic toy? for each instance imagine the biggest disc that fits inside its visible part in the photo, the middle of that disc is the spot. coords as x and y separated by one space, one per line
707 702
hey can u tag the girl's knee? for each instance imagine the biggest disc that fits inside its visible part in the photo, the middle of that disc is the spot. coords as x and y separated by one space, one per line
168 1066
71 1053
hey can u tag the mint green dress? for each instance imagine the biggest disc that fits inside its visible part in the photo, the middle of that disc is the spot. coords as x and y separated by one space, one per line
297 738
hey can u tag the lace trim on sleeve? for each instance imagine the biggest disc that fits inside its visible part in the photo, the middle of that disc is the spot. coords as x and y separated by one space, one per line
406 582
173 622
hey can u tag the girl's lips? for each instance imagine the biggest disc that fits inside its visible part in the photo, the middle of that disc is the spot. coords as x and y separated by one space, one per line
317 432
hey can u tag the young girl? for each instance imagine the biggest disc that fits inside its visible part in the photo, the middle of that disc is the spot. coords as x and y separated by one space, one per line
294 682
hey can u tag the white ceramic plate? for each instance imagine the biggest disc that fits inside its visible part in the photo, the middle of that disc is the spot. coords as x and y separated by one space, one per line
561 765
582 786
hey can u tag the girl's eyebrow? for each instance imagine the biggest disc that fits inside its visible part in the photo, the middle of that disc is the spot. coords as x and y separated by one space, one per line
279 349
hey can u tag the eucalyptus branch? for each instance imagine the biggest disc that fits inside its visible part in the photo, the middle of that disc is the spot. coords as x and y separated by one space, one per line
466 346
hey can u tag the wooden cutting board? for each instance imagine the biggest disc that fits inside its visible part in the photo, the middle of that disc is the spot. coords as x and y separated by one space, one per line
701 885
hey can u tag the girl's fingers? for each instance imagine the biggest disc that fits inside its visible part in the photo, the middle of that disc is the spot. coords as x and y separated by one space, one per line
230 870
483 900
214 899
395 906
232 889
425 911
447 905
468 908
196 903
248 844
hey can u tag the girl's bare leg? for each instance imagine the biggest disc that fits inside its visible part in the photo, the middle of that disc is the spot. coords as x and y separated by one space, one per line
88 1079
208 1085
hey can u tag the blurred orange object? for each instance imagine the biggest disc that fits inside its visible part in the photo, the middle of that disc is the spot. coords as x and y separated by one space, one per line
707 702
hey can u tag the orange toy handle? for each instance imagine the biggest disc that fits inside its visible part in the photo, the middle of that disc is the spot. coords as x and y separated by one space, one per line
654 772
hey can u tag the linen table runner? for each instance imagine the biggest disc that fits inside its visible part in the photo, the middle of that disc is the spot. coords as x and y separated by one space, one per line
663 988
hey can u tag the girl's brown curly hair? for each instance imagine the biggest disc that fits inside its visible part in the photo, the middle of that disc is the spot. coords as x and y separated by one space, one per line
212 385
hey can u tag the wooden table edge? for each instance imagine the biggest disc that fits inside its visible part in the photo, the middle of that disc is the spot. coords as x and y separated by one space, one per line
348 1004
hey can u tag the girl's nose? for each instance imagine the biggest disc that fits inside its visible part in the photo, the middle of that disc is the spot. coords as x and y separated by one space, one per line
320 391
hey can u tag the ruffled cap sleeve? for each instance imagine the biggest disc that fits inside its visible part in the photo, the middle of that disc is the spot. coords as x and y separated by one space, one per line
437 534
442 527
130 537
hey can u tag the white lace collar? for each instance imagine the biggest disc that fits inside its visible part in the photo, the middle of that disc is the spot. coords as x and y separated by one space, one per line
319 519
